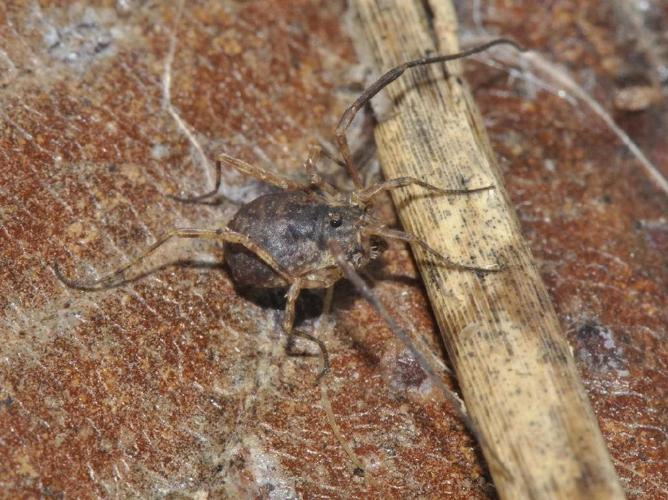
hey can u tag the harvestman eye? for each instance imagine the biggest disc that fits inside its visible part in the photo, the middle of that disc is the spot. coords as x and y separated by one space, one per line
336 221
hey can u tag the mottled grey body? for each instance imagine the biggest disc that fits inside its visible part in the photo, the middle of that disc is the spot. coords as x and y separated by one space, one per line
294 227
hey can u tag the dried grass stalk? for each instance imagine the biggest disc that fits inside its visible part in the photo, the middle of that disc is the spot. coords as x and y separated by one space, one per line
514 366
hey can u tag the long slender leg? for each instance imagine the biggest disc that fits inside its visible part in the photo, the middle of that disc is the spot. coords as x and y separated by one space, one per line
288 324
260 173
342 141
227 235
248 169
368 149
370 192
331 157
323 351
291 305
358 465
349 272
411 238
327 301
315 151
198 198
387 78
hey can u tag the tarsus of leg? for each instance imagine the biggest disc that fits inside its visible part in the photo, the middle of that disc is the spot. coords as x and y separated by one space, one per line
411 238
256 172
389 185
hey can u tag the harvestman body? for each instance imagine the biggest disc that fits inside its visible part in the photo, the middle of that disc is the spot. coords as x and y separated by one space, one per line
309 235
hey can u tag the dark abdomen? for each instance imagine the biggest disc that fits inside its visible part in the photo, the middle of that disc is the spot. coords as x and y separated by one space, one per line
288 226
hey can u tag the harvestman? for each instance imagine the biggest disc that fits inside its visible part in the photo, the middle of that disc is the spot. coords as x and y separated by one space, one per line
310 235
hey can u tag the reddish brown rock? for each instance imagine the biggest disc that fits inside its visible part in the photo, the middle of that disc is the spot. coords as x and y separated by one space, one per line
176 384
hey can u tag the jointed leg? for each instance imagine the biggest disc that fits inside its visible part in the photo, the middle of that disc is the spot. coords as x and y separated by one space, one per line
227 235
342 141
327 301
259 173
291 306
411 238
323 351
368 150
380 84
246 168
331 157
195 199
315 152
349 272
310 166
288 324
370 192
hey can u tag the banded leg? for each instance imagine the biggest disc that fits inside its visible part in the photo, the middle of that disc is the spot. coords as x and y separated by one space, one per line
394 234
399 182
288 324
226 235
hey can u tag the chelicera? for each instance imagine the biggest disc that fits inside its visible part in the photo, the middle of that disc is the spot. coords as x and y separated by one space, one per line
308 235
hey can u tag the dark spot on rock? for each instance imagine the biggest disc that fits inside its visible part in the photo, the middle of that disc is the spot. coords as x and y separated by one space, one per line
598 349
408 371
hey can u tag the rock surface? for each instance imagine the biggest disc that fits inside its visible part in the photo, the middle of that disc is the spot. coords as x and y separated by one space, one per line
176 384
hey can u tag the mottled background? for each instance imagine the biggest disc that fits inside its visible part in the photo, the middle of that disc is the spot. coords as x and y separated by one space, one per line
176 384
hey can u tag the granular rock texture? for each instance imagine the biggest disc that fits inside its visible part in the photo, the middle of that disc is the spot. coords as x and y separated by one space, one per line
178 384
